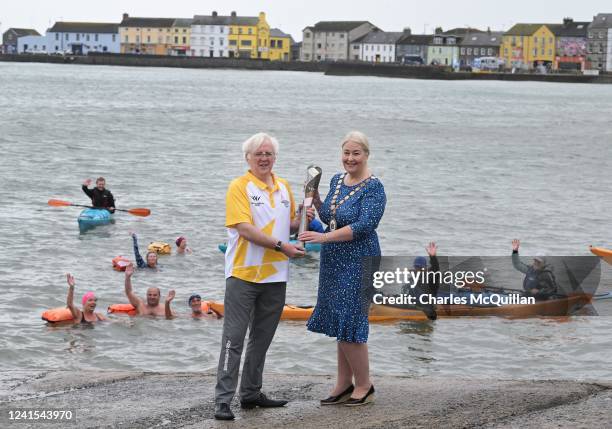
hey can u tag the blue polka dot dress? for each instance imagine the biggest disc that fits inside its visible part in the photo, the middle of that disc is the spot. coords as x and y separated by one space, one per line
342 304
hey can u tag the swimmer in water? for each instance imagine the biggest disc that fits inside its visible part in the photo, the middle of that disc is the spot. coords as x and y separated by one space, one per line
152 306
197 311
181 246
88 314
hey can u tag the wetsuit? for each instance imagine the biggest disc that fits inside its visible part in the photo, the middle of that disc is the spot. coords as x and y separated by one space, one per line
100 199
139 261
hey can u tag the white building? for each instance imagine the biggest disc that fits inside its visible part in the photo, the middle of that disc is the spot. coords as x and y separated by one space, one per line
376 47
32 44
80 38
209 36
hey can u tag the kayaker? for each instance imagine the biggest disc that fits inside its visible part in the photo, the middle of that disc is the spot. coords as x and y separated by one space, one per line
151 261
539 281
424 288
88 314
152 306
197 311
100 196
181 246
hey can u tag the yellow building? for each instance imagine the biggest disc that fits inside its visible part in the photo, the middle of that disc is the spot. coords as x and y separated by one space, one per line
180 36
525 46
249 37
280 45
151 36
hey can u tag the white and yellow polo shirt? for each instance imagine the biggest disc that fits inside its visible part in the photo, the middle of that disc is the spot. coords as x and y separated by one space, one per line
250 200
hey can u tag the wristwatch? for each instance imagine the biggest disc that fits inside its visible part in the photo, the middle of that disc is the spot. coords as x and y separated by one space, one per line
278 246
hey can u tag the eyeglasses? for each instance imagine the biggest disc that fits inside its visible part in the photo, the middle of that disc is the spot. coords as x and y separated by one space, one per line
260 155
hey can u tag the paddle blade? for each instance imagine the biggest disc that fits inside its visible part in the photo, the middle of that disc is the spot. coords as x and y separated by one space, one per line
139 212
58 203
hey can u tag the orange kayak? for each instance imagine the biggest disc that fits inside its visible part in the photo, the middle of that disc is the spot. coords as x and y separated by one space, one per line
386 313
605 254
130 310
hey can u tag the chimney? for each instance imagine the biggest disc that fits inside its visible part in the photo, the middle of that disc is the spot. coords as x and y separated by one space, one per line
567 21
407 31
214 14
233 14
489 31
125 16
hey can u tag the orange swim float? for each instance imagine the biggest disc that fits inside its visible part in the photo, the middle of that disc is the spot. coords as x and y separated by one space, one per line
120 263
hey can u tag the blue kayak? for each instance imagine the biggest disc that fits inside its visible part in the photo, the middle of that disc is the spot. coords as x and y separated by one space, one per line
310 247
90 218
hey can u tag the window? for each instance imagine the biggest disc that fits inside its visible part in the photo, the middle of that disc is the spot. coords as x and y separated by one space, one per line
126 39
175 39
355 47
279 44
462 51
489 51
273 43
601 34
245 43
535 40
550 52
221 30
307 56
87 38
535 51
542 51
250 31
176 30
184 30
513 40
240 31
148 39
137 39
160 39
231 31
95 37
184 39
220 41
168 38
212 41
342 35
57 48
318 46
232 43
506 51
56 36
469 51
67 36
483 51
114 37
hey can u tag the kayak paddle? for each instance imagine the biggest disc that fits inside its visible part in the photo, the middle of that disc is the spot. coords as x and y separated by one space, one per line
135 211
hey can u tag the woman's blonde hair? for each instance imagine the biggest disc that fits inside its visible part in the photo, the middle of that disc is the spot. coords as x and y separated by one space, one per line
359 138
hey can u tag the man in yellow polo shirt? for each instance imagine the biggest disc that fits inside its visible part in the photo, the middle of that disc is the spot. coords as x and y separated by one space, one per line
260 216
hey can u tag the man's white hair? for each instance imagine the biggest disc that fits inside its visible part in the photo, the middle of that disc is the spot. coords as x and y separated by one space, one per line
255 141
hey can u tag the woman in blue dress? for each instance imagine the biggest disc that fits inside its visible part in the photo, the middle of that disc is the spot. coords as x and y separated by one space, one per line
352 210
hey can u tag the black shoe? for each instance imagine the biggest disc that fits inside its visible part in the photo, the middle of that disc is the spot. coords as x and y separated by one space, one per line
223 412
263 402
339 399
367 399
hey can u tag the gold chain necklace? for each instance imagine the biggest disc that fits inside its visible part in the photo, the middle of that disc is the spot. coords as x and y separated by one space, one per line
334 206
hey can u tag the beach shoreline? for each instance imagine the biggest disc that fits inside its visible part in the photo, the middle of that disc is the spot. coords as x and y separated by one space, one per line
141 399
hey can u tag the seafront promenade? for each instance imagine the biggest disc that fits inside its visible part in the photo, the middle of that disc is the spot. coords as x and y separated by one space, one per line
184 400
329 68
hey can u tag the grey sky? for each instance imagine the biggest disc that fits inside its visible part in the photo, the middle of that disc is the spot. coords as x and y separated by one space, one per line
293 16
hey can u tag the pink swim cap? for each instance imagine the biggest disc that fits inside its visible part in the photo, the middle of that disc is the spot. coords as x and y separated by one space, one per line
87 296
179 241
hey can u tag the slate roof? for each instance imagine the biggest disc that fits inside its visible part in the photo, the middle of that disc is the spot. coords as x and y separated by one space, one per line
147 22
601 21
20 32
571 29
339 26
415 39
462 31
380 37
494 38
527 29
183 22
275 32
84 27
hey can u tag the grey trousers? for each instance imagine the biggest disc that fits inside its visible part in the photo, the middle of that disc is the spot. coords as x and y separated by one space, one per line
257 306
